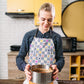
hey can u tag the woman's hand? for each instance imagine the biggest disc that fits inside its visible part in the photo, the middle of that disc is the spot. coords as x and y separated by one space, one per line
55 73
28 72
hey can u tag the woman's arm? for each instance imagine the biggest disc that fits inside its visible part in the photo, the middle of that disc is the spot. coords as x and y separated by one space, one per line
20 59
59 54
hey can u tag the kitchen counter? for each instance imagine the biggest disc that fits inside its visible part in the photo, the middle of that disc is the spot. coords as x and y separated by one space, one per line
20 81
73 53
64 53
14 73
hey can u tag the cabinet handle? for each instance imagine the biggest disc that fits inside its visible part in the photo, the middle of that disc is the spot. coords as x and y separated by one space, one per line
55 22
19 10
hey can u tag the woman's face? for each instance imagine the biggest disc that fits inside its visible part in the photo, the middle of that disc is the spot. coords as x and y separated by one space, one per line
45 19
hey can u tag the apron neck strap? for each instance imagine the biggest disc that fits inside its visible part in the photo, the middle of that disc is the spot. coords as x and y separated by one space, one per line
36 33
49 32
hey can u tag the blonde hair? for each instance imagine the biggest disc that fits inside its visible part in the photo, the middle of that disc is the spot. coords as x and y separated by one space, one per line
48 7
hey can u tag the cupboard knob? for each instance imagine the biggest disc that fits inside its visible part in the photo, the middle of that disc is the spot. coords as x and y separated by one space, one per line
55 22
19 10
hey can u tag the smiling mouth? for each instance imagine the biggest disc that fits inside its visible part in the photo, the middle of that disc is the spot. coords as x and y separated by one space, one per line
45 26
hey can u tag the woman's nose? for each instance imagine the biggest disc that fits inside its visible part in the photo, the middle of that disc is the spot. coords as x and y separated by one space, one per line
46 21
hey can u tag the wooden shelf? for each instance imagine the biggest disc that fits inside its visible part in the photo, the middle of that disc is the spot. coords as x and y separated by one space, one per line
74 76
81 76
82 65
74 65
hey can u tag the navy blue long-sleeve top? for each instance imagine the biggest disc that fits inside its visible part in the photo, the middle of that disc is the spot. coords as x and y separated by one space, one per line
28 37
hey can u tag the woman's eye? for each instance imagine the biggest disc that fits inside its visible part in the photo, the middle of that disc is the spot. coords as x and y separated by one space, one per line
49 20
43 19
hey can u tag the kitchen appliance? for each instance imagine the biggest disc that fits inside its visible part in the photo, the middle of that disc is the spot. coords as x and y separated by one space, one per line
41 74
69 44
15 47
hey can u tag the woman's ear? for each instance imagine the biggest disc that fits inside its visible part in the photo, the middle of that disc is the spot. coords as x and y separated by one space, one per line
54 17
38 19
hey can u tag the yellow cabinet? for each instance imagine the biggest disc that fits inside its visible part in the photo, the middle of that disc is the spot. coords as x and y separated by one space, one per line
32 6
76 67
58 7
24 6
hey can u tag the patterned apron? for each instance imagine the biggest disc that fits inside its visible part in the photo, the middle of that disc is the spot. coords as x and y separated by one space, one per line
42 51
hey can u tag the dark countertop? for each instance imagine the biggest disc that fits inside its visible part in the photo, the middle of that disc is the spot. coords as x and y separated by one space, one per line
20 81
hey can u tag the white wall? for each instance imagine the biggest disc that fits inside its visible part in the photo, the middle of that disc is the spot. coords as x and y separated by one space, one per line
12 31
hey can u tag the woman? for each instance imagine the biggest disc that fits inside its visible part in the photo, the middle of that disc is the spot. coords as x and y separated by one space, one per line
43 45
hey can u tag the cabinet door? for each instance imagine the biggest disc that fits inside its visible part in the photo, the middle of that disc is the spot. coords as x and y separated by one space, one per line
20 6
56 3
